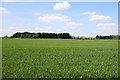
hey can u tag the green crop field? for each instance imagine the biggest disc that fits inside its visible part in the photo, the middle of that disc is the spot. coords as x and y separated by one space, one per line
56 58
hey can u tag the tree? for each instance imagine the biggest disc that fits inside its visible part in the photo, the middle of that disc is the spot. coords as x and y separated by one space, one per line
97 37
41 35
64 36
6 36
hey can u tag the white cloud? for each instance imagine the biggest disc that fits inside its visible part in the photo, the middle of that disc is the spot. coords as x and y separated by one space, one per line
60 19
53 17
107 28
100 18
36 13
62 6
3 10
93 16
73 25
89 13
43 29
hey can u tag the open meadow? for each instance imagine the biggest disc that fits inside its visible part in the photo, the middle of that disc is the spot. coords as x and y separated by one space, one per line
55 58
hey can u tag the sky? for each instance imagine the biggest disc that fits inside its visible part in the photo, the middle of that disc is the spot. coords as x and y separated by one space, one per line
60 0
77 18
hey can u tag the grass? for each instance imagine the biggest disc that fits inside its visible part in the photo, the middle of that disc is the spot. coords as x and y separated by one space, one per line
55 58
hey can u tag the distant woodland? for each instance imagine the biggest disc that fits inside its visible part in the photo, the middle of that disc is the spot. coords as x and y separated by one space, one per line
57 35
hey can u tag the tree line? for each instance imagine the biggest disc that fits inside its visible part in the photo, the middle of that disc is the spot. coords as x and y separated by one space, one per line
41 35
108 37
58 35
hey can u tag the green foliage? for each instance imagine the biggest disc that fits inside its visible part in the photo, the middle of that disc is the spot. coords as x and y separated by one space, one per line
41 35
108 37
55 58
59 36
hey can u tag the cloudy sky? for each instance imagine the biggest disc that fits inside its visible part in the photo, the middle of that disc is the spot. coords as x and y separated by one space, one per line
77 18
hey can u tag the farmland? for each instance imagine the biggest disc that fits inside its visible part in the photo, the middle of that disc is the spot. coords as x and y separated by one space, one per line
55 58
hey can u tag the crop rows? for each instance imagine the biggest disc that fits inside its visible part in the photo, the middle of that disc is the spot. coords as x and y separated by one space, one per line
41 58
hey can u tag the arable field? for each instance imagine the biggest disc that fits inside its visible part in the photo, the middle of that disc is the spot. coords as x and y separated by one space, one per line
55 58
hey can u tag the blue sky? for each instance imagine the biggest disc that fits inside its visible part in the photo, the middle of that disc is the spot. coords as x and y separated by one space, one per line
59 0
77 18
